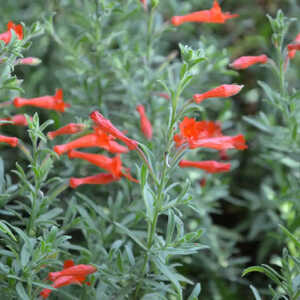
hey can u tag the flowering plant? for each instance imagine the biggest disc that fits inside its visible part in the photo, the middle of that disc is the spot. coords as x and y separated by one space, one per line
137 161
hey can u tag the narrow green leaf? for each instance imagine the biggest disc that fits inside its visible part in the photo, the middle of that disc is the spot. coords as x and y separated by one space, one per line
4 228
21 291
130 234
50 215
195 293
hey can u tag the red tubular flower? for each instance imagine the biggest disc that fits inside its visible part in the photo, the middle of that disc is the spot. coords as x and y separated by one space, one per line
48 102
108 127
292 52
112 165
6 36
103 178
71 274
213 15
68 129
190 130
12 141
146 126
220 143
32 61
209 166
244 62
91 140
76 270
19 120
295 46
222 91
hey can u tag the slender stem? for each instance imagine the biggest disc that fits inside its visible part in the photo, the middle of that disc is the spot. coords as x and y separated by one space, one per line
149 34
158 203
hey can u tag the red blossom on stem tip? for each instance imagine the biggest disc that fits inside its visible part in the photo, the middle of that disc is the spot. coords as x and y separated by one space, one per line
91 140
112 165
209 166
222 91
48 102
19 120
220 143
32 61
6 36
71 274
68 129
190 130
146 126
244 62
108 127
292 52
103 178
12 141
295 46
75 270
213 15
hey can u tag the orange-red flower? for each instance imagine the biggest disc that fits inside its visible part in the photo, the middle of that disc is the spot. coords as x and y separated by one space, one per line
102 178
292 52
146 126
109 128
6 36
220 143
48 102
101 140
191 130
19 120
206 134
244 62
74 270
295 46
68 129
222 91
213 15
12 141
112 165
209 166
71 274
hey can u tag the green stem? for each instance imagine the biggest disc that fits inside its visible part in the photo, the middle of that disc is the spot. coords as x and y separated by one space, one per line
158 203
149 34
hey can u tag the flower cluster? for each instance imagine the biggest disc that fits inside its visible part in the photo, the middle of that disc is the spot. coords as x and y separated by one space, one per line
103 136
206 134
7 35
71 274
213 15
